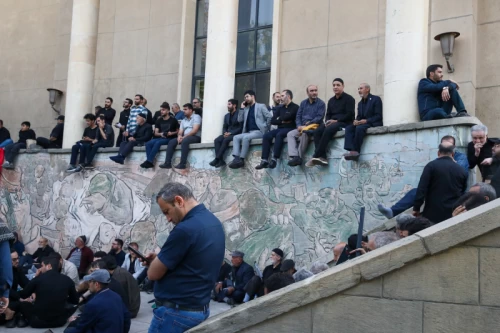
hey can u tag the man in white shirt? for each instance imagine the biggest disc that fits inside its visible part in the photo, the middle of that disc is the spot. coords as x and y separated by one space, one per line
131 263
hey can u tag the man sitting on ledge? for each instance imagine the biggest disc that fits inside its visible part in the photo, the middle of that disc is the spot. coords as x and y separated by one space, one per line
11 150
56 136
143 133
437 97
369 115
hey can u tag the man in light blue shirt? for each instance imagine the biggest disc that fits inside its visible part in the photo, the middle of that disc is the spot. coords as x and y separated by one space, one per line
189 133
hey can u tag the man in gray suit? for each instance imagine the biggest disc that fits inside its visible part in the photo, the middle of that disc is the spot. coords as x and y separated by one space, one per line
256 119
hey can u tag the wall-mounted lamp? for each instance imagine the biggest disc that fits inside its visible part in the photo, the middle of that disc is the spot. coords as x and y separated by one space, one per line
447 40
54 96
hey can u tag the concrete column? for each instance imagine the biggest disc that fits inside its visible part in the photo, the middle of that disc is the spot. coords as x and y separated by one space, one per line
186 51
220 65
81 68
406 40
275 54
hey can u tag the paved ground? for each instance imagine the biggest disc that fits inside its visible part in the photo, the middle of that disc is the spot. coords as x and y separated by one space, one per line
140 324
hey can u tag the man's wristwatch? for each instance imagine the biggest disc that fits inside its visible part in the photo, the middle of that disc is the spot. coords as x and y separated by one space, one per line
445 88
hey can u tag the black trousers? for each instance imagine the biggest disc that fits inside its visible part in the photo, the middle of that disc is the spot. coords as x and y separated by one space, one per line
12 150
126 147
255 287
119 138
184 148
28 311
46 143
354 136
221 143
322 136
93 151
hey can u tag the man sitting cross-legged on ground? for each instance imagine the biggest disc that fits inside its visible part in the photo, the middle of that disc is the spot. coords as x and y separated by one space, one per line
189 132
283 117
409 198
230 128
437 97
256 119
369 115
166 129
53 290
255 287
105 312
311 113
339 114
143 133
278 281
12 149
56 136
232 290
83 146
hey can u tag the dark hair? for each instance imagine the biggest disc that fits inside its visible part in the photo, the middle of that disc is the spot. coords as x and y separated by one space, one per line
170 190
110 99
12 250
100 264
100 254
26 123
98 107
432 69
119 241
89 116
188 105
249 92
278 281
446 150
129 101
101 116
233 101
471 200
289 93
338 80
352 241
1 122
55 255
415 225
276 93
140 96
110 262
448 137
52 261
133 243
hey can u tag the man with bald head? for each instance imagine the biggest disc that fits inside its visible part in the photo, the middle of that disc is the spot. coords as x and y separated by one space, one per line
311 112
442 183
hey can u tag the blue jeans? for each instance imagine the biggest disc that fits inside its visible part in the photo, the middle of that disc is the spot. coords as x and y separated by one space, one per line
405 203
446 107
6 142
170 320
153 146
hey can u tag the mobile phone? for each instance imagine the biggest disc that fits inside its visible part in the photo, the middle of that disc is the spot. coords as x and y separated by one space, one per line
137 253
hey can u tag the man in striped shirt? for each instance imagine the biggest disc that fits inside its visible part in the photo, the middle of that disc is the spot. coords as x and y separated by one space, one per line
132 119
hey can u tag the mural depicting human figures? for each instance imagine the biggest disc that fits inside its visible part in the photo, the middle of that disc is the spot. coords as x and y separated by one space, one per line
304 211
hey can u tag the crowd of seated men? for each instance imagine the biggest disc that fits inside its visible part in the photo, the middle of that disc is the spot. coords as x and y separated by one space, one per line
310 120
47 290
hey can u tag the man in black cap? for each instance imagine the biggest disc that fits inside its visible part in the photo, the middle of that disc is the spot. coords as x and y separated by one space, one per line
143 134
256 285
81 255
56 136
288 267
233 289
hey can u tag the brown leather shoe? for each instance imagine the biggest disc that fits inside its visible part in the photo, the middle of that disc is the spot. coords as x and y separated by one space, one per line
352 156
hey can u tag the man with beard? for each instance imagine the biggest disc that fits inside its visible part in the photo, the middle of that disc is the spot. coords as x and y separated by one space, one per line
132 119
107 111
255 288
117 252
123 121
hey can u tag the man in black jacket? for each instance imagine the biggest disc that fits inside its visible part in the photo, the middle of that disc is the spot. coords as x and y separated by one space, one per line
11 151
233 290
369 115
442 183
105 138
480 151
283 117
122 122
256 285
5 139
339 114
43 250
230 128
56 136
53 290
19 280
143 134
107 111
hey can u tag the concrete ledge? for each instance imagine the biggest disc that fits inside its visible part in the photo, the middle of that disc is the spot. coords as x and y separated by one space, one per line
373 265
467 121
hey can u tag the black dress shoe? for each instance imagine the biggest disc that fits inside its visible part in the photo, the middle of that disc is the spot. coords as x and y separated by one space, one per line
214 162
166 166
237 164
273 164
262 165
11 323
462 114
147 165
180 166
221 164
295 161
21 322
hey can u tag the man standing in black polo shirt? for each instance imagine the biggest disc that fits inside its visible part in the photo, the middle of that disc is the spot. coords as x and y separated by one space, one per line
56 136
122 122
339 114
107 111
188 264
480 151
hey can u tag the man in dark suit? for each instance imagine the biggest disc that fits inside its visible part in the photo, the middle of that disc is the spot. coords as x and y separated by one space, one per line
442 183
369 115
230 128
233 290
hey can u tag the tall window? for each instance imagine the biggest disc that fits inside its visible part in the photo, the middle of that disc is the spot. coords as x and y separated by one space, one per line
200 51
253 52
